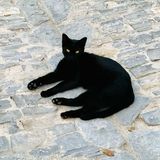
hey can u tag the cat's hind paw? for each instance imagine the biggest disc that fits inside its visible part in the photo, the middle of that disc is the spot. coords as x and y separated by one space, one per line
71 114
45 94
58 101
68 114
64 115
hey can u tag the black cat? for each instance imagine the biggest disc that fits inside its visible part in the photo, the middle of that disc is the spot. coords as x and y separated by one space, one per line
108 85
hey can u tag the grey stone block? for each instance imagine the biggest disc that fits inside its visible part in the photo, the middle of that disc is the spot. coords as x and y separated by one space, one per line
33 13
16 56
45 34
113 26
157 19
18 26
128 115
121 44
142 26
101 133
133 61
88 151
30 111
5 37
157 45
13 88
9 116
42 152
146 144
19 100
70 142
130 51
26 100
140 39
59 9
31 99
154 54
152 118
17 156
136 15
142 71
4 104
5 66
26 141
14 23
157 92
4 144
10 158
13 128
156 34
61 129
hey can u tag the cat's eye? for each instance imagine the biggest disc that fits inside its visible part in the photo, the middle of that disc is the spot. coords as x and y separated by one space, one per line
77 51
68 50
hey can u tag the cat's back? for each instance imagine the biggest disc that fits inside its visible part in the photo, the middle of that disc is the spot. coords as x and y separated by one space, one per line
101 64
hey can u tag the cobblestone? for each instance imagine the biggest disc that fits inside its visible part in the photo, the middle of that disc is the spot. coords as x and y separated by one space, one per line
71 142
152 117
142 26
42 152
136 16
134 61
45 34
140 39
13 128
9 116
156 34
4 104
154 54
30 46
113 25
61 129
101 133
59 9
33 13
88 151
30 111
26 141
4 144
146 144
142 71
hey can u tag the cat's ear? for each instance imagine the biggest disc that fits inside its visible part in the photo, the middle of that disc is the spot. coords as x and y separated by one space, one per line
83 41
65 38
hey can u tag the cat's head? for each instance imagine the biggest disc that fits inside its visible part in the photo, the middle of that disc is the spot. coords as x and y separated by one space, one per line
72 46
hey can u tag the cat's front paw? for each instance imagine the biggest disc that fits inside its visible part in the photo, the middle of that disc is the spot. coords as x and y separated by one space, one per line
32 85
65 115
58 101
44 94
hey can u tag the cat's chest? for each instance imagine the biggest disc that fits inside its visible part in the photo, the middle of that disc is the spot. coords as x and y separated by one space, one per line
89 75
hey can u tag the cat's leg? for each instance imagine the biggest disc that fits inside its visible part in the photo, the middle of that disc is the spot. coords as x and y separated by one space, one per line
73 113
61 87
101 113
47 79
78 101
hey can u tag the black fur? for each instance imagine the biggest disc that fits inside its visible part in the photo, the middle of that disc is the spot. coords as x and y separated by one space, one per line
108 85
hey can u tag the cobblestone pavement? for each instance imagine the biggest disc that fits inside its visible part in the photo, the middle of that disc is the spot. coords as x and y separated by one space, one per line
30 46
